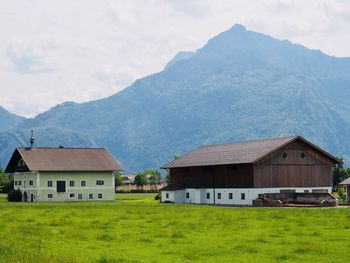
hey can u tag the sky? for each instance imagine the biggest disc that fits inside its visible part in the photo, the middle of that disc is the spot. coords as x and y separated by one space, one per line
82 50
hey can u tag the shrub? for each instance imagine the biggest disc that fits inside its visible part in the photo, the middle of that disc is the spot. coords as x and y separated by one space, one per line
14 195
157 197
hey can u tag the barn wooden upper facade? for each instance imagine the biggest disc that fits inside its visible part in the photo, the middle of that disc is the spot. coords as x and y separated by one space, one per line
279 163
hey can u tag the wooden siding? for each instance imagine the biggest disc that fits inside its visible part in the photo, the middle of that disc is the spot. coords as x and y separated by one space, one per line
220 176
314 170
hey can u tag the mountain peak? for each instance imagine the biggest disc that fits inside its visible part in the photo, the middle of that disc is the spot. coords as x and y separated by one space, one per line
238 28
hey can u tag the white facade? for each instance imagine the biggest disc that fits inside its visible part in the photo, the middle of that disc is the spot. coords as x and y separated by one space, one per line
227 196
78 186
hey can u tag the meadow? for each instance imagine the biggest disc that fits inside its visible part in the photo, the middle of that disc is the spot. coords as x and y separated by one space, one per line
136 228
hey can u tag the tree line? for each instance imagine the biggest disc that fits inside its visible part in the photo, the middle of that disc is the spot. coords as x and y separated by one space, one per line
147 177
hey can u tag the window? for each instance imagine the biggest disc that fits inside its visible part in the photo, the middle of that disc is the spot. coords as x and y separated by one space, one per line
49 183
167 195
306 191
99 196
24 182
61 186
50 196
230 196
284 155
21 163
91 196
31 182
80 196
187 195
71 183
302 155
16 183
242 196
219 195
72 195
100 182
83 183
19 182
208 195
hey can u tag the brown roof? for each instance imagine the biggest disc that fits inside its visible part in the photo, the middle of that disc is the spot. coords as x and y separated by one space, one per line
236 153
65 159
346 182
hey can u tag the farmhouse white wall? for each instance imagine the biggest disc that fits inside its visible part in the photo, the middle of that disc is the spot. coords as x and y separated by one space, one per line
199 196
41 190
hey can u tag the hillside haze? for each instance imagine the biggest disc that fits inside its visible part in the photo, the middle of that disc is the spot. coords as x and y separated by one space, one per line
240 85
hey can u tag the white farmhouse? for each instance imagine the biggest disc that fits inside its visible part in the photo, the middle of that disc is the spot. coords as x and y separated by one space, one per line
64 174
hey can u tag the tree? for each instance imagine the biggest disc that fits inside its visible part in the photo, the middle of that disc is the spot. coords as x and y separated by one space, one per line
339 174
140 180
341 192
167 177
177 156
155 178
14 195
118 179
6 183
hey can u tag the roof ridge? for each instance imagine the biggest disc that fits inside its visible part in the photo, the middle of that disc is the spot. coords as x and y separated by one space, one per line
83 148
249 141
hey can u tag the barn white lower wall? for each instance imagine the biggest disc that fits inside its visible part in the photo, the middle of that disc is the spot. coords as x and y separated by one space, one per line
240 196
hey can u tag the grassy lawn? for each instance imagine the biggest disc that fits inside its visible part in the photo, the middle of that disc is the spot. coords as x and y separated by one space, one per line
136 228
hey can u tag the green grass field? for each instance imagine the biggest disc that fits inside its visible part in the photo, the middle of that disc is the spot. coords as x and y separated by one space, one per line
136 228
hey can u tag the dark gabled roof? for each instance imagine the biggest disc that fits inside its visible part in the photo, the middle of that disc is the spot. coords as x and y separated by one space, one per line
346 182
237 153
64 159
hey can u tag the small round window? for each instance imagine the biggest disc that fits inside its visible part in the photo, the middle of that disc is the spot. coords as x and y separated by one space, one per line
284 155
302 155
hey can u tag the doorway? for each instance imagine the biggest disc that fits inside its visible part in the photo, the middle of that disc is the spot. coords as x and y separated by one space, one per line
25 197
31 198
61 186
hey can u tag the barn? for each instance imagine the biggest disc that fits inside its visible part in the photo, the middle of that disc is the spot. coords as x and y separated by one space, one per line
236 173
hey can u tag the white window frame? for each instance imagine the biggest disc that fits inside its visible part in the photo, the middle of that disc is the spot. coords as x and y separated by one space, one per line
100 180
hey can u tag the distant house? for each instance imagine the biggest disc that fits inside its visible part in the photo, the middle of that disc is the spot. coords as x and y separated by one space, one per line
235 174
129 184
64 174
346 184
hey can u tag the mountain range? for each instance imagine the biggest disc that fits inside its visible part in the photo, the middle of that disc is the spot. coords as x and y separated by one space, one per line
240 85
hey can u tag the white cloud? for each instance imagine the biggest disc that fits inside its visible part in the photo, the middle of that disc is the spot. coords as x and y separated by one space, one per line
56 51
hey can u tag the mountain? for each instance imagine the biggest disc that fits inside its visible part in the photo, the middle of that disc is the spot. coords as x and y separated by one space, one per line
9 120
182 55
240 85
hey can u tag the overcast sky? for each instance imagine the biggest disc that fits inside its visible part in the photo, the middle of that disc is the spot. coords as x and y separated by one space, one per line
80 50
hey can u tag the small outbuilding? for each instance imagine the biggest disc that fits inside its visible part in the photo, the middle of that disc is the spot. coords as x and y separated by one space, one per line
237 173
346 184
64 174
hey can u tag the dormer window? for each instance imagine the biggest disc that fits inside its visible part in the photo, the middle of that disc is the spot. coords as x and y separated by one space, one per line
21 163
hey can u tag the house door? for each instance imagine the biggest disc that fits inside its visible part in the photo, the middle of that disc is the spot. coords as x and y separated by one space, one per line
31 197
25 197
61 186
